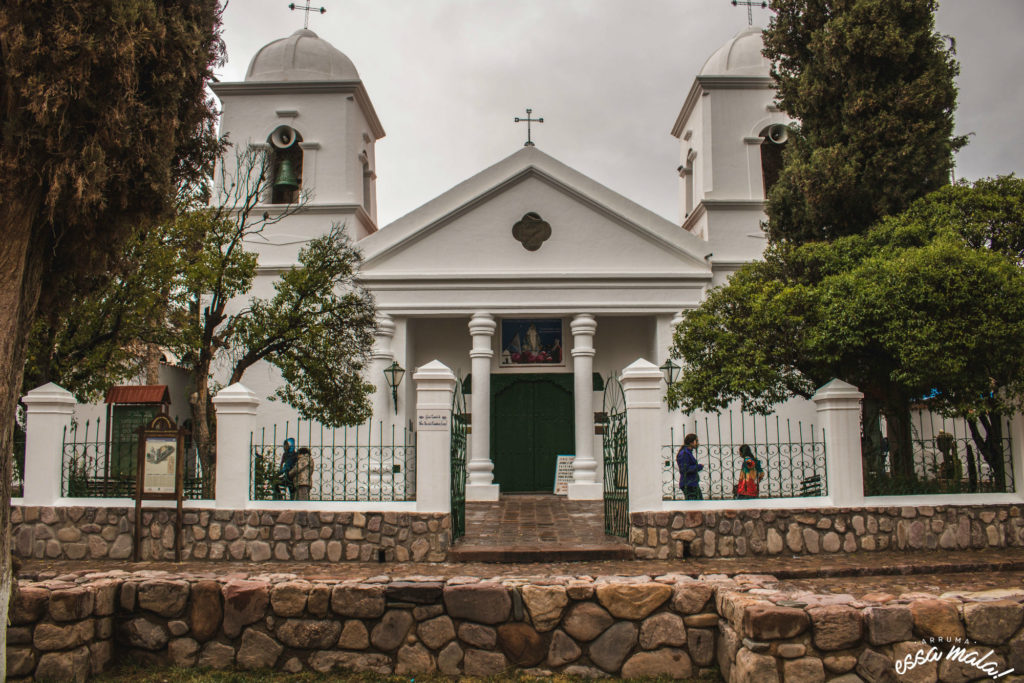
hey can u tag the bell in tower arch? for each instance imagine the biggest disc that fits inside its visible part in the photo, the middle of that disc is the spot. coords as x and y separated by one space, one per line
286 180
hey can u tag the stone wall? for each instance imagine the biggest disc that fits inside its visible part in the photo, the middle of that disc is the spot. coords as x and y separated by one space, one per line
75 533
74 625
740 532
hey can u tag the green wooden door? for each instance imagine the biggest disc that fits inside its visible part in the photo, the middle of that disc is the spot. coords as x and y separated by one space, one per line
532 422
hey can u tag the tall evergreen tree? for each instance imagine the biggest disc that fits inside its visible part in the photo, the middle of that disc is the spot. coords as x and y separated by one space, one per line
102 111
870 83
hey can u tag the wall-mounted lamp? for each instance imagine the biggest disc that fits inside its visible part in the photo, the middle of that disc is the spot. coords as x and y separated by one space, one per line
671 371
394 374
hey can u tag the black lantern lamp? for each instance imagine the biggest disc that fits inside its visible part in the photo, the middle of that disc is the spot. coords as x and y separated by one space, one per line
394 374
671 371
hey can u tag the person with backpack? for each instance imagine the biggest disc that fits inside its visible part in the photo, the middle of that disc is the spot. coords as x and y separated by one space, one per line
751 474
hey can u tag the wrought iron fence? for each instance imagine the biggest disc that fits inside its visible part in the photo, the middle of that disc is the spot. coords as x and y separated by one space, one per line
793 458
94 465
362 463
18 464
947 457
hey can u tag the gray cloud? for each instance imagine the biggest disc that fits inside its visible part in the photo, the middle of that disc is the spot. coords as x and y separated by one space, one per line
608 76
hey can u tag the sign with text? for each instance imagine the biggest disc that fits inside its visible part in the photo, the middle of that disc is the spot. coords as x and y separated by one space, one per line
433 420
563 474
160 473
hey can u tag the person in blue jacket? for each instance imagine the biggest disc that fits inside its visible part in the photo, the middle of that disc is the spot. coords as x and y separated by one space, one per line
290 458
689 479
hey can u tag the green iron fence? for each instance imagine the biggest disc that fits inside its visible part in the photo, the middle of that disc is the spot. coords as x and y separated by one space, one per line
459 430
362 463
616 458
792 455
947 456
18 464
95 466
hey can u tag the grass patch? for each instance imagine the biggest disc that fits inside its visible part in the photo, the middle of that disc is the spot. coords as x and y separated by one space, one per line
140 674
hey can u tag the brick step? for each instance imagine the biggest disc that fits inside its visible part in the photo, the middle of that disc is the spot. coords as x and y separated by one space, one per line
469 551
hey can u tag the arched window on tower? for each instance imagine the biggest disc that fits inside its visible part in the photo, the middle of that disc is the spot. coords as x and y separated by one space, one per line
367 180
775 137
687 172
285 165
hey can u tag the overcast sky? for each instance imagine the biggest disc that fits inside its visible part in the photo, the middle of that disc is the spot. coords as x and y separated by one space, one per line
447 77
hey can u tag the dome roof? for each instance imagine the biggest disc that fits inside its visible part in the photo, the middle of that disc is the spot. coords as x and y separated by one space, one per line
302 56
740 56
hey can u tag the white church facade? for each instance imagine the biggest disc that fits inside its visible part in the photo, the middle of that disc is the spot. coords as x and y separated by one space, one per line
531 281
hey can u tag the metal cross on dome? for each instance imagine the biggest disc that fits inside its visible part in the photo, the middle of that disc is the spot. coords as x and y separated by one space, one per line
750 5
307 8
529 141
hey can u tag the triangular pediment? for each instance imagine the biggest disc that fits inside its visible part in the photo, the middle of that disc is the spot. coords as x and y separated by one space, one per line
467 232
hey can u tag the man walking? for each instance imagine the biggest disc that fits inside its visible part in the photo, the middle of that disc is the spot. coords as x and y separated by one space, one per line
689 479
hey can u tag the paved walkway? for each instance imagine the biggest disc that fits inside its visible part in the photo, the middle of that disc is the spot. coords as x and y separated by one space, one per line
537 527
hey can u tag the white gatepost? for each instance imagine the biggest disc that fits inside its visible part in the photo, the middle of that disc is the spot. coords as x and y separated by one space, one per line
236 407
435 387
48 413
1017 452
642 386
839 416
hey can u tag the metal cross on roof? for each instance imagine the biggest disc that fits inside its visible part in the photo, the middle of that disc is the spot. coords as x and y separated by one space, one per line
307 8
529 142
750 5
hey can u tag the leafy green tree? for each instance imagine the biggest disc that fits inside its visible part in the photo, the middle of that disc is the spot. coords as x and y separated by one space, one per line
871 84
317 328
102 111
928 305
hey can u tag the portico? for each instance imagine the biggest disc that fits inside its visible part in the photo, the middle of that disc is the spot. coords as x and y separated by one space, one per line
534 284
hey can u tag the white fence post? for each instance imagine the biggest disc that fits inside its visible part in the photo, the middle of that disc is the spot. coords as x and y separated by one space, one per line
839 416
49 410
435 386
236 407
642 386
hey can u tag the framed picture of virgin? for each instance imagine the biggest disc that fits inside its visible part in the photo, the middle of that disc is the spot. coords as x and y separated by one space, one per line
529 342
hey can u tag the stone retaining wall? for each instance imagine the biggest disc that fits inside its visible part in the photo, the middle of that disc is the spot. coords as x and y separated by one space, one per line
740 532
74 625
75 533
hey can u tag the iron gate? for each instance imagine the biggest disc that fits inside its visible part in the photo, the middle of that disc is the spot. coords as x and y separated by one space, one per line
616 473
460 427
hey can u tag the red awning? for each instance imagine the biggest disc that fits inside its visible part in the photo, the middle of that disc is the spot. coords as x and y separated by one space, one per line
153 394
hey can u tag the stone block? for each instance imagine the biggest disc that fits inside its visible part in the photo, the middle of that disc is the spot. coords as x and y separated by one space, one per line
245 602
449 660
891 624
753 668
392 629
64 666
362 601
835 627
765 621
71 604
354 636
585 621
874 667
415 592
803 670
632 600
205 612
993 623
414 659
29 604
288 599
145 634
216 655
485 603
562 650
662 629
669 662
164 597
436 633
258 650
308 634
691 597
936 619
183 652
483 663
612 647
478 636
545 605
522 644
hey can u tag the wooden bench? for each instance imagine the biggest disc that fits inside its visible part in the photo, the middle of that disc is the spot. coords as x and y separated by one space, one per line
811 486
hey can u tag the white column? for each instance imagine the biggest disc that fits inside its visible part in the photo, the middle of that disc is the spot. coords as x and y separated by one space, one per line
641 383
839 416
435 384
1017 453
585 485
381 358
49 410
236 408
480 485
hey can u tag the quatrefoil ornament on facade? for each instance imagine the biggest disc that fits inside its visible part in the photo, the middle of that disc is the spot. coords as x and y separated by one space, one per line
532 231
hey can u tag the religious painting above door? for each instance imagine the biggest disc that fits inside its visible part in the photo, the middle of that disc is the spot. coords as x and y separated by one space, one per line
531 342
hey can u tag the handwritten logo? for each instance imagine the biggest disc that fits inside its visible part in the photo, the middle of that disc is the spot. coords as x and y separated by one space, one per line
957 653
